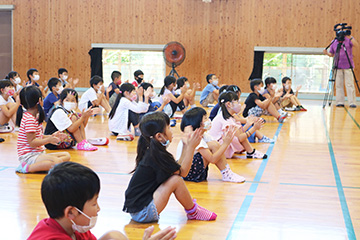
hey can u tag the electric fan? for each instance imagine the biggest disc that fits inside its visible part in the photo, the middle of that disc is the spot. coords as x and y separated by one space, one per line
174 55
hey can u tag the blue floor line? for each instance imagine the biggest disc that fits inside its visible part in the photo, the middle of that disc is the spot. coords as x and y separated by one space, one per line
316 185
240 217
356 123
262 167
340 190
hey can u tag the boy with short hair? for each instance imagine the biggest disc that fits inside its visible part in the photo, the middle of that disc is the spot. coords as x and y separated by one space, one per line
33 76
139 77
63 76
256 104
114 87
288 98
51 100
94 96
210 93
72 206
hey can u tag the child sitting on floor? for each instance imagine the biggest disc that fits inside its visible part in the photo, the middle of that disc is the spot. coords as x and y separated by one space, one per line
64 119
120 118
157 175
52 99
31 141
230 106
8 106
289 98
209 150
94 96
271 93
257 105
189 97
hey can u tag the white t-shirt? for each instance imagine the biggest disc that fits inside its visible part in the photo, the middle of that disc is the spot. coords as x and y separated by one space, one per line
18 87
4 102
166 92
203 144
60 119
119 122
89 95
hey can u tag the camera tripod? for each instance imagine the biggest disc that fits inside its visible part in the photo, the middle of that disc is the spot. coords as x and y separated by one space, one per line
329 94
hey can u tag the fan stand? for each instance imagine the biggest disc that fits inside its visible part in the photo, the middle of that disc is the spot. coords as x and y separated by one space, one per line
173 71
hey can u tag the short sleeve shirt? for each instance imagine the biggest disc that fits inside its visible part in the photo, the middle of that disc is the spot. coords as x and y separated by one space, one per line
4 102
49 102
206 91
114 86
343 61
250 102
88 96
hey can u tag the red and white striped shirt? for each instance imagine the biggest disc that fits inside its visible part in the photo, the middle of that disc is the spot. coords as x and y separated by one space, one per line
28 124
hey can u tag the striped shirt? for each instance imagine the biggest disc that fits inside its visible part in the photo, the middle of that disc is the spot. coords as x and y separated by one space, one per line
28 124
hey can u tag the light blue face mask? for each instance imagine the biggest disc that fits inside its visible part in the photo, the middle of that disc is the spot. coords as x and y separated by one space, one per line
166 143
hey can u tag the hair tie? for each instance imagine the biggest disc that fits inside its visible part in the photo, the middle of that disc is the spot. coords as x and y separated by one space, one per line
222 100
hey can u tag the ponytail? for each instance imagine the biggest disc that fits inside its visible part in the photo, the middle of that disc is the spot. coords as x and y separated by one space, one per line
19 115
148 146
167 81
225 97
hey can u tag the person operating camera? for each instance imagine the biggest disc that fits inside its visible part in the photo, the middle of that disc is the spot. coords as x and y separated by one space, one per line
343 72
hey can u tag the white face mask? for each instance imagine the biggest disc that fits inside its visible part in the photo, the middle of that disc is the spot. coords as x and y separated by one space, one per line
287 87
60 90
36 77
84 229
261 90
166 143
215 82
273 87
65 77
69 106
187 85
17 80
236 107
207 124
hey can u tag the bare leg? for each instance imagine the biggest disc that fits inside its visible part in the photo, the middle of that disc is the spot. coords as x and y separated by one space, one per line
259 134
113 235
294 101
46 161
3 119
272 110
79 134
175 184
105 104
244 141
221 163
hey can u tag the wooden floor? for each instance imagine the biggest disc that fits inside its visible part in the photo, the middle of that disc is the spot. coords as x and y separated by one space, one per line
309 188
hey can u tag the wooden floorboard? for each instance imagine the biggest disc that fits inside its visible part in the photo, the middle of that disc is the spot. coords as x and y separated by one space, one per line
309 188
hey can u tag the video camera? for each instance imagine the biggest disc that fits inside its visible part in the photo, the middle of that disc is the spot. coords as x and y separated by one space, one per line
342 32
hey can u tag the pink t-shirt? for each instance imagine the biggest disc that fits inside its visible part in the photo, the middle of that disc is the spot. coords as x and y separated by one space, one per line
218 126
28 124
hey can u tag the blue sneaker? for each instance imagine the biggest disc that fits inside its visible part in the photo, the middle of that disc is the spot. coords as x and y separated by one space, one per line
22 168
265 139
172 122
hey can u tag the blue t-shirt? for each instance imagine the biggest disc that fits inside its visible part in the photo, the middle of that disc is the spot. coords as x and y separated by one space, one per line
114 86
49 102
207 90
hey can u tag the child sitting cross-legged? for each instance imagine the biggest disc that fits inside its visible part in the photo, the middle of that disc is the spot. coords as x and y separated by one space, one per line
289 98
209 150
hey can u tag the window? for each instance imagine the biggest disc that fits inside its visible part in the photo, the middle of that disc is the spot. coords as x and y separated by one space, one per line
308 67
127 61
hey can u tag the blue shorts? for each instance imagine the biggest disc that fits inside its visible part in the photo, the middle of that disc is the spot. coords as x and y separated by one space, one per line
148 214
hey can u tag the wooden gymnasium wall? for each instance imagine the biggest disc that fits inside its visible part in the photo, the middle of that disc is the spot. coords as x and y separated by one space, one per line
219 37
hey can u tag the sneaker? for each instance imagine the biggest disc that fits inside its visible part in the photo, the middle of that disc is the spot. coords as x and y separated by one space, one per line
265 139
200 213
6 128
297 108
256 154
302 109
86 146
282 117
98 141
290 108
172 123
137 132
2 140
352 106
126 137
340 105
230 176
22 168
